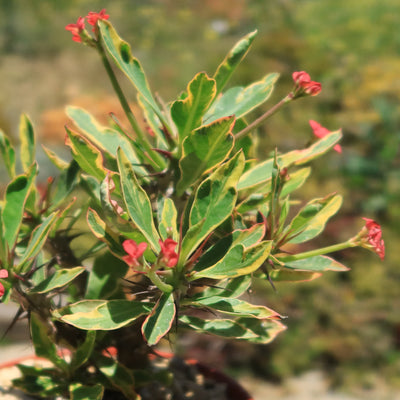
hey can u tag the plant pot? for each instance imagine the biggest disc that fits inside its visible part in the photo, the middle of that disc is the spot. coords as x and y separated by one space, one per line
211 377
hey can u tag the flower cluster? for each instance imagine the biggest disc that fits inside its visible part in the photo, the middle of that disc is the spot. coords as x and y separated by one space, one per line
3 274
372 237
168 254
78 29
320 132
135 251
304 85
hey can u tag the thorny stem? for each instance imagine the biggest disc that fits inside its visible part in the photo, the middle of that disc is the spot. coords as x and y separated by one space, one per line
154 157
256 123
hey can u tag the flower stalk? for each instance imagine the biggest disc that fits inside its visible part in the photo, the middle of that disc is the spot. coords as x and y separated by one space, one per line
154 158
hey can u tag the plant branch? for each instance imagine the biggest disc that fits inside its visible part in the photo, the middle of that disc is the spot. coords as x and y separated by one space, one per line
256 123
154 157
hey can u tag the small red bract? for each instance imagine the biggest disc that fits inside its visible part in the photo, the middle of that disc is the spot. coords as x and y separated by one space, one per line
320 132
168 254
301 77
134 250
76 29
3 274
374 237
93 17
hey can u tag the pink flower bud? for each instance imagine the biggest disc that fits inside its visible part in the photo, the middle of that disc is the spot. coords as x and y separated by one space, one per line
304 85
301 77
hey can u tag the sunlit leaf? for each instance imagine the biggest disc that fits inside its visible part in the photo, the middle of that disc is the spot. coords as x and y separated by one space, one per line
188 113
232 60
203 149
102 315
159 321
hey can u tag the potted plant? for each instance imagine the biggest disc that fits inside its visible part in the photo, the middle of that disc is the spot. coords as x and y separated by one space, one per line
182 219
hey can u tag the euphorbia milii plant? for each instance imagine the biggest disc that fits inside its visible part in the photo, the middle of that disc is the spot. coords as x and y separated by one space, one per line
182 219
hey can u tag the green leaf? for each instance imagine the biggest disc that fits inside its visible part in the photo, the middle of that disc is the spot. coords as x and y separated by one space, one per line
188 113
64 185
220 327
316 263
119 376
44 343
89 158
104 232
102 315
55 159
78 391
264 330
43 382
104 280
203 149
235 307
57 280
312 218
237 261
27 138
167 220
246 238
120 51
229 288
17 193
159 321
83 351
239 101
287 275
295 180
261 172
37 241
106 139
137 202
214 202
8 154
232 60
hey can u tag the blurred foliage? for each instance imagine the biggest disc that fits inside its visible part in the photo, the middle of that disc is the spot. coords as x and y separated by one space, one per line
353 48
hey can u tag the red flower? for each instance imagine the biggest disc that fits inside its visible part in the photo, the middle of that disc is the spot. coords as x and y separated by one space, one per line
320 132
134 251
93 17
3 274
168 254
301 77
312 88
76 29
374 237
304 84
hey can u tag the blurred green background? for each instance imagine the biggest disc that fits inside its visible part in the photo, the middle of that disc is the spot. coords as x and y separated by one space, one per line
346 324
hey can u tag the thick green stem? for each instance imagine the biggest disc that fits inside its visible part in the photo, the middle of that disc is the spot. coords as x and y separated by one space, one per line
256 123
154 158
319 252
164 287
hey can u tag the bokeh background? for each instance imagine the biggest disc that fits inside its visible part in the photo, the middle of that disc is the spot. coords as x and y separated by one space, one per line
346 325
